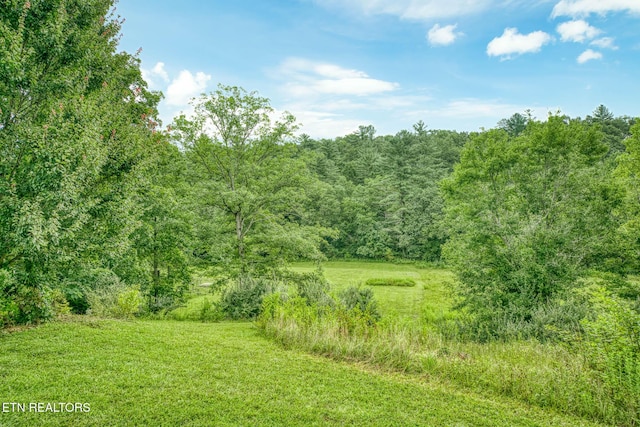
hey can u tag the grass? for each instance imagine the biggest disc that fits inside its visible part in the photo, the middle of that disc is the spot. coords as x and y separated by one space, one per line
429 300
198 308
168 373
547 375
543 375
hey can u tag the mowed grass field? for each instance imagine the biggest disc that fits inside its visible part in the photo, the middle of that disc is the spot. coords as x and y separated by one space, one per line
169 373
429 299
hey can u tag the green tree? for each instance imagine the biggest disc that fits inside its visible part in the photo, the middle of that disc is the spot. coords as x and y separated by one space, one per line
165 233
526 216
381 192
628 172
247 170
75 120
615 129
515 124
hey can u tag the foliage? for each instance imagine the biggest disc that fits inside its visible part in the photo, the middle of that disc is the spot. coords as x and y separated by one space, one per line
528 215
516 124
313 287
59 304
381 193
250 177
164 235
612 346
628 172
75 126
203 308
390 281
615 129
360 299
20 304
116 301
242 298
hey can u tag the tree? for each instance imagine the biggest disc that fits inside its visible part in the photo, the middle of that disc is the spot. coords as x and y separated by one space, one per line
75 120
615 129
628 172
515 124
247 170
526 216
164 235
382 193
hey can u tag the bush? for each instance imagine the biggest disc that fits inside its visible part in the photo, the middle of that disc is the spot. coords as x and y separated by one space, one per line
242 299
361 299
22 304
88 281
119 301
209 312
554 321
9 310
58 302
612 346
313 287
404 282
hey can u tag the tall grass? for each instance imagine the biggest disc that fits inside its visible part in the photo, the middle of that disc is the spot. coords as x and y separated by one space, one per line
545 375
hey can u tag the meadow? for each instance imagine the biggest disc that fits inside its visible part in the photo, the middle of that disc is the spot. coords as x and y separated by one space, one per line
410 338
429 299
168 373
184 371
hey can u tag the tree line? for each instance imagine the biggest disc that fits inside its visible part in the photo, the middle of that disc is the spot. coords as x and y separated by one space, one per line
95 196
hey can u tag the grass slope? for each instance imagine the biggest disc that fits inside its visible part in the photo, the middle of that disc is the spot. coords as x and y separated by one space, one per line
167 373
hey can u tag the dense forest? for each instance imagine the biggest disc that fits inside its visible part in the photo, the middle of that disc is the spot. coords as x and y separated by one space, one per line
103 210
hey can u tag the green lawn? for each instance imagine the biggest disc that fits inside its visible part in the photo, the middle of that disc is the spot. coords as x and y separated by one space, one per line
168 373
431 297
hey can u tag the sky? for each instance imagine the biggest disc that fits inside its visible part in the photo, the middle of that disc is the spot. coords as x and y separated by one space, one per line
338 64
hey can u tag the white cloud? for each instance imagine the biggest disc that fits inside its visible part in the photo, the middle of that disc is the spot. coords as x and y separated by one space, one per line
417 10
321 124
586 7
307 78
604 43
185 87
330 100
158 71
577 31
588 55
443 36
511 42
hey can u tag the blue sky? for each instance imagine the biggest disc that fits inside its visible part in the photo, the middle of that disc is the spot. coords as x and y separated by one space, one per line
338 64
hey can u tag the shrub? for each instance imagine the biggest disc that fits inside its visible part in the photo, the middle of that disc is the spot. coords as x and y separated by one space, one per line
242 299
404 282
361 299
86 281
58 302
23 302
9 310
556 320
612 346
128 303
118 300
209 312
313 287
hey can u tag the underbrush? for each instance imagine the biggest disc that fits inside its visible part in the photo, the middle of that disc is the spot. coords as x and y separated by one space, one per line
548 375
